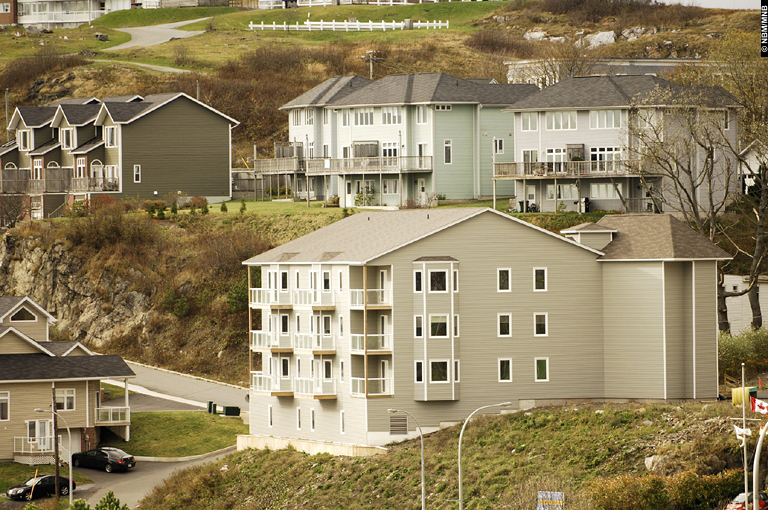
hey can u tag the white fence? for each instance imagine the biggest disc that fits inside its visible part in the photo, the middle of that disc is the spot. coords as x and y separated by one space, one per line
282 4
349 26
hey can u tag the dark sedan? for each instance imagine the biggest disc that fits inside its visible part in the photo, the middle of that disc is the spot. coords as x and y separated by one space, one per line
106 458
39 486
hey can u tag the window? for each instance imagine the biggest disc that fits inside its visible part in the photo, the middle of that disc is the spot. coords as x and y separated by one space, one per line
326 324
438 281
326 115
421 115
298 323
136 173
447 152
5 7
564 192
284 324
341 326
311 150
505 324
389 149
5 405
286 367
541 366
23 315
456 370
341 422
341 281
326 154
390 115
503 280
726 120
341 370
110 136
269 415
326 281
283 280
327 369
555 159
80 168
438 371
363 116
67 138
540 324
296 117
531 156
418 371
456 325
418 326
298 419
24 139
505 369
530 121
310 116
605 190
438 326
65 399
390 186
312 420
539 279
455 280
605 159
37 168
443 107
345 118
604 119
498 146
561 120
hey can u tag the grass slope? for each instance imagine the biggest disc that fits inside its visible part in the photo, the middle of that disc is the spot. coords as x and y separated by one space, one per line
506 459
148 17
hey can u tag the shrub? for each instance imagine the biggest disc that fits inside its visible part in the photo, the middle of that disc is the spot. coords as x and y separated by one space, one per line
197 202
237 297
749 347
174 209
109 226
223 207
22 71
502 43
175 304
204 209
160 214
242 206
151 210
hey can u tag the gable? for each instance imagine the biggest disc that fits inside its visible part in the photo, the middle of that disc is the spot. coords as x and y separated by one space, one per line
23 314
13 343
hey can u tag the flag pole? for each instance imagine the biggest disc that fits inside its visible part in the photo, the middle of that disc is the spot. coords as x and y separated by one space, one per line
743 427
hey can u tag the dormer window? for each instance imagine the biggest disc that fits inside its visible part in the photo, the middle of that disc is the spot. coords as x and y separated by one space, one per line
24 139
110 136
23 315
67 138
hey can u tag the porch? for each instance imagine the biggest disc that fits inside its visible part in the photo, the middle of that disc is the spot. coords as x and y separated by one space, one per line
319 389
106 416
272 384
315 298
565 169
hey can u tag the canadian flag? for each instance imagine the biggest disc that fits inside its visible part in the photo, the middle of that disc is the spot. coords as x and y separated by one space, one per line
758 406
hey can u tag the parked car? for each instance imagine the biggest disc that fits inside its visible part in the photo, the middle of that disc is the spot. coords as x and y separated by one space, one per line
738 502
39 486
106 458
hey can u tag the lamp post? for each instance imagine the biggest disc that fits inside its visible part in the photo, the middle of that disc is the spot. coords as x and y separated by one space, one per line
423 498
461 436
55 438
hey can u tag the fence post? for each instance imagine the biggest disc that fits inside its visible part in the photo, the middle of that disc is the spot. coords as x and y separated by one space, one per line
370 25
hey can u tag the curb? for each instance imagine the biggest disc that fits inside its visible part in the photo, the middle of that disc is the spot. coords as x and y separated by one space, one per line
185 459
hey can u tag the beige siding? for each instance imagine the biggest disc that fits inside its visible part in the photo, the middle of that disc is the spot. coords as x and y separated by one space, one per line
596 240
36 330
10 343
678 324
633 313
705 276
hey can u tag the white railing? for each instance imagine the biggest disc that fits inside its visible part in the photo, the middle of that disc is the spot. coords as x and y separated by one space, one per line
26 445
313 297
315 342
378 342
113 414
312 387
276 165
261 296
372 164
375 297
261 382
379 386
261 339
564 168
60 17
348 26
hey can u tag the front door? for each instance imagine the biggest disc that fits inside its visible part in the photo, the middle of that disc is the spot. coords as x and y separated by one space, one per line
422 190
350 197
39 433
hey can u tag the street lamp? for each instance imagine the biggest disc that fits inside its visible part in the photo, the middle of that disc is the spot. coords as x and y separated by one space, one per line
423 499
55 438
461 436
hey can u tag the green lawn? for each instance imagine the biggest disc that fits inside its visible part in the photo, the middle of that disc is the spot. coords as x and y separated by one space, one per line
179 434
12 473
147 17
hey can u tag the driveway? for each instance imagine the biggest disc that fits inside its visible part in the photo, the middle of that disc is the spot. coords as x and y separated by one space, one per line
156 34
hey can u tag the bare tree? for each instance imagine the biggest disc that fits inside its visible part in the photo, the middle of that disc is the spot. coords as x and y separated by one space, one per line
13 207
560 61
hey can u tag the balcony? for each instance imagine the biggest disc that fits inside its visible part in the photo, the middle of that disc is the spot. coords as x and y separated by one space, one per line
369 165
380 299
14 180
286 299
565 169
375 387
95 184
60 17
377 344
113 415
317 343
274 385
320 389
276 342
277 166
23 445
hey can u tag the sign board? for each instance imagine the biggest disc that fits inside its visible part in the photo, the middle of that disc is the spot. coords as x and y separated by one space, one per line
551 500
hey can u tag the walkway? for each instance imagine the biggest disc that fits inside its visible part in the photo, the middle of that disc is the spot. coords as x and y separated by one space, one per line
156 34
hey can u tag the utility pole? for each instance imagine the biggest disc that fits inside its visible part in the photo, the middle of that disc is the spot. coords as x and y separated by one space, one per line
370 57
7 128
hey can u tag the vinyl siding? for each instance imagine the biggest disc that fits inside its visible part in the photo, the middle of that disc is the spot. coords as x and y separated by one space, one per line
633 329
678 324
495 124
10 343
704 276
37 330
457 125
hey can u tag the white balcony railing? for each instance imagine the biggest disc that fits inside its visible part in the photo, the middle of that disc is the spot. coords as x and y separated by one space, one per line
314 387
378 342
376 297
315 342
298 297
365 165
378 386
565 169
270 383
113 414
27 445
313 297
60 17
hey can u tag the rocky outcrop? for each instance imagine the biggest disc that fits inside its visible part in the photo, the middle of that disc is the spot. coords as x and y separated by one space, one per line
596 40
91 307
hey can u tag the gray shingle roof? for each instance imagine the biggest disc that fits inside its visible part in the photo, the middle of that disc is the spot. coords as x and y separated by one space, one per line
58 348
123 112
8 147
331 89
21 367
656 237
122 99
88 146
77 100
36 116
7 303
80 114
586 227
614 91
45 148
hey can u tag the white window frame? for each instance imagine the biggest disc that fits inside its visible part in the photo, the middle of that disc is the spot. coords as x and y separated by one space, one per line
326 116
298 418
23 320
5 398
498 146
136 173
67 138
285 324
421 114
327 369
341 280
571 194
455 280
447 152
389 149
536 369
68 398
546 324
456 370
110 137
561 121
498 324
605 119
363 116
418 282
341 326
37 169
605 190
447 324
389 186
444 271
545 279
726 120
447 371
296 117
529 121
341 370
508 270
443 107
456 326
345 117
416 319
325 280
327 326
498 370
416 365
309 115
391 115
5 7
24 139
285 368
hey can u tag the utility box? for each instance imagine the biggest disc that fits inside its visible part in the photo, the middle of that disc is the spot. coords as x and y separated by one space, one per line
231 411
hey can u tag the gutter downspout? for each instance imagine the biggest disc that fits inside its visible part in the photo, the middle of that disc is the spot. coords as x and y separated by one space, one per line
365 327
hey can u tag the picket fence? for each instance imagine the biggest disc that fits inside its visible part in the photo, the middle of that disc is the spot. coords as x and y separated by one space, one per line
348 26
282 4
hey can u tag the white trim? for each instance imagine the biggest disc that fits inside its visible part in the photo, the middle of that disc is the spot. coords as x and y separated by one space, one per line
546 324
11 319
546 281
311 419
415 290
498 324
456 370
156 106
42 310
447 370
135 174
448 325
429 281
498 279
535 368
27 339
415 331
78 344
455 281
6 395
498 370
65 394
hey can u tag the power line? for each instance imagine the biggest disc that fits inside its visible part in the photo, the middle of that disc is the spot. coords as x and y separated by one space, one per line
371 57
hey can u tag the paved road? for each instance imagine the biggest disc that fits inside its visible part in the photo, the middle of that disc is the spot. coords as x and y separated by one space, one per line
162 69
157 34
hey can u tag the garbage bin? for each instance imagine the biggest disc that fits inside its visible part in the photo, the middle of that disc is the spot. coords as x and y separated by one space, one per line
231 411
210 405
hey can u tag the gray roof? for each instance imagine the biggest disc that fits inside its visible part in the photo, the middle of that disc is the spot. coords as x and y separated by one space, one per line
36 116
586 227
80 114
427 88
656 237
45 148
122 99
7 303
123 112
8 147
615 91
76 100
58 348
88 146
21 367
331 89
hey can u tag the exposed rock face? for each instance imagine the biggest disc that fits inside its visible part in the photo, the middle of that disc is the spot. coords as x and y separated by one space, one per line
598 39
91 309
535 35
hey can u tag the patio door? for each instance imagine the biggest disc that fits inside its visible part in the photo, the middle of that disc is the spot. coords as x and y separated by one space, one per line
422 190
40 432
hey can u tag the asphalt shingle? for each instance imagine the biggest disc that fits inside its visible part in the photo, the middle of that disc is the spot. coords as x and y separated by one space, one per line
20 367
